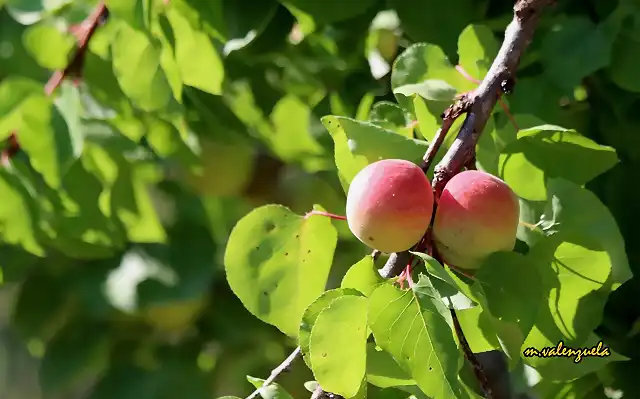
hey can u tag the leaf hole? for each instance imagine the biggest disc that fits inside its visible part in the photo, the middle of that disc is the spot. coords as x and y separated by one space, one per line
269 226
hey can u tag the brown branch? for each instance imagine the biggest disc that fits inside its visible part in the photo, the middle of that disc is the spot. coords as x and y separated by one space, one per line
276 372
436 143
478 105
483 100
83 32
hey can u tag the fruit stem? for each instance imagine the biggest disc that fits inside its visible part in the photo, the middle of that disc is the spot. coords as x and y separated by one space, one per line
530 226
466 74
327 214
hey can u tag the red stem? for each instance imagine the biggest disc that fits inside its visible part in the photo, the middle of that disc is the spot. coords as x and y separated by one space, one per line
327 214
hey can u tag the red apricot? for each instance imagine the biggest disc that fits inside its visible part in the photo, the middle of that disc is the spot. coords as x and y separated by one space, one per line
389 205
477 215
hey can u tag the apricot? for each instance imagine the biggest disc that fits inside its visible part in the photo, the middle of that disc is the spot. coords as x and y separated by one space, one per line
389 205
477 215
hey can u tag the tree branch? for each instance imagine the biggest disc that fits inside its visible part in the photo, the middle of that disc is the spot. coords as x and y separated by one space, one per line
277 371
478 105
483 99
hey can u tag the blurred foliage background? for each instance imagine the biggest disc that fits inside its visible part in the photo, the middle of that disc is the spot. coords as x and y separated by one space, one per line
115 213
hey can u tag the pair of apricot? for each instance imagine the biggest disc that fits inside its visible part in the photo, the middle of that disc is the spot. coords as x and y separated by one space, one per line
390 206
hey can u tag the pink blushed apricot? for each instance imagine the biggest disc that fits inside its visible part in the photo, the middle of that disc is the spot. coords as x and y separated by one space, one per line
389 205
477 215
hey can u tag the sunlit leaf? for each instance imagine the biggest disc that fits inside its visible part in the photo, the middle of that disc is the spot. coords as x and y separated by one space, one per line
277 263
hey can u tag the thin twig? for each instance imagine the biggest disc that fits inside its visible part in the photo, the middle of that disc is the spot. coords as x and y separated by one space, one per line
84 32
436 143
277 371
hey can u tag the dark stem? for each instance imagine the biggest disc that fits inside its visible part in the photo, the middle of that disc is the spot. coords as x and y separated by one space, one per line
478 369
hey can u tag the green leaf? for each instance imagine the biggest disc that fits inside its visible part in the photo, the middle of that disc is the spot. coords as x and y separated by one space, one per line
578 211
199 63
291 138
573 50
76 353
502 277
16 95
390 116
430 89
208 16
421 62
80 228
575 275
271 391
477 47
19 214
18 61
414 327
479 330
143 81
277 263
573 271
428 124
331 10
434 21
457 296
311 314
358 144
42 306
132 204
579 388
549 151
625 51
363 276
435 269
47 136
134 13
383 371
493 141
168 142
394 393
337 346
50 46
242 23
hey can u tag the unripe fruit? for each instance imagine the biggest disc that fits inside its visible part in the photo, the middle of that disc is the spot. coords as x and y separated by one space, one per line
389 205
227 168
477 215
